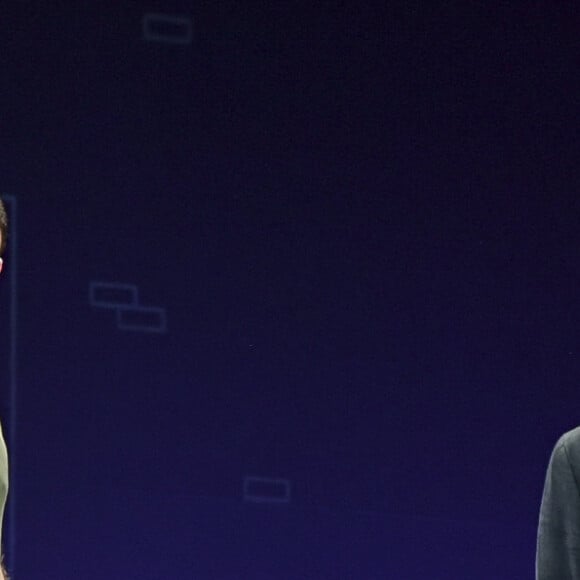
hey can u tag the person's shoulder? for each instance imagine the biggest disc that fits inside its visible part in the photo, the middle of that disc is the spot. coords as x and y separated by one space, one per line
569 443
570 438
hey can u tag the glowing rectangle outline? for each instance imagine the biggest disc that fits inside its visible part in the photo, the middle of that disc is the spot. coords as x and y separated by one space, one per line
160 329
150 36
249 479
13 477
95 286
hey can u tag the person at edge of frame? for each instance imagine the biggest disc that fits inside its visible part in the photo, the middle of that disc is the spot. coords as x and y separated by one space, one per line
558 535
3 452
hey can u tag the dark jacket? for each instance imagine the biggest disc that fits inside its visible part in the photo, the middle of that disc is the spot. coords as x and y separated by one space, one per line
558 539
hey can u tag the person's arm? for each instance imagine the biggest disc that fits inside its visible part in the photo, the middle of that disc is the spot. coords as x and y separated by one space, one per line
3 497
558 537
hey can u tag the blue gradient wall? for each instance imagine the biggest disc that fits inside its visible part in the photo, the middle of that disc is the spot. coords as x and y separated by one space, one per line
334 247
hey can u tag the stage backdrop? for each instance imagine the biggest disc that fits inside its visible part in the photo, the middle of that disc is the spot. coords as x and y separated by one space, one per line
297 286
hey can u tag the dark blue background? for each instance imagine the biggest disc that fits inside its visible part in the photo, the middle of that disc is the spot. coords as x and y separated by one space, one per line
362 220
